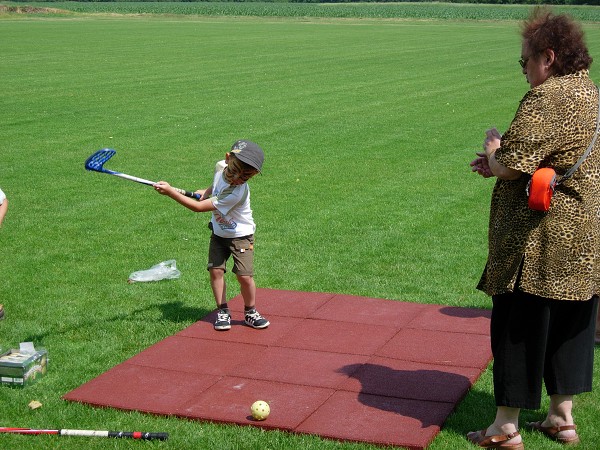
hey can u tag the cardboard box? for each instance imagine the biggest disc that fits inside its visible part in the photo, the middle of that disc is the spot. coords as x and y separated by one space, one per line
22 369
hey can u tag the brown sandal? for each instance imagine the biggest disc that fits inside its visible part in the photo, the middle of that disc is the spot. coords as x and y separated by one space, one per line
497 441
552 432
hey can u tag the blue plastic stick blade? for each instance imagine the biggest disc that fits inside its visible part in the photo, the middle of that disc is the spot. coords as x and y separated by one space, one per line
97 160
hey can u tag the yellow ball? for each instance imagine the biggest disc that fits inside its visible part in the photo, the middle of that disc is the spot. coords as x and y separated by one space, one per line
260 410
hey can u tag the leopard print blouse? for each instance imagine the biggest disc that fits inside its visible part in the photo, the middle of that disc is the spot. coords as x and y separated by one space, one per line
553 254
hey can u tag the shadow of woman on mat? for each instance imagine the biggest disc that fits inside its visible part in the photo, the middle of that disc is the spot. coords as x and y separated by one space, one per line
426 395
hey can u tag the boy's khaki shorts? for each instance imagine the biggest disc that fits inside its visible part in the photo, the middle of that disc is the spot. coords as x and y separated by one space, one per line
242 250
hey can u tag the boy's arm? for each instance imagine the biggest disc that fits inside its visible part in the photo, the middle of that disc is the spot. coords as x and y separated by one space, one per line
202 205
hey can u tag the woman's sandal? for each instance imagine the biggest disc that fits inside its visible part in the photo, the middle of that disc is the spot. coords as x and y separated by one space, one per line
552 432
497 441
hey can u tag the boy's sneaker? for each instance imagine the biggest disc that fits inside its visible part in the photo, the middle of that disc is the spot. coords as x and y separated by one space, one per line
223 321
1 312
255 320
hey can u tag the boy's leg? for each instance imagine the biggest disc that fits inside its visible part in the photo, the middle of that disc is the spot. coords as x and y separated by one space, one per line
243 266
219 288
251 315
248 290
217 283
218 253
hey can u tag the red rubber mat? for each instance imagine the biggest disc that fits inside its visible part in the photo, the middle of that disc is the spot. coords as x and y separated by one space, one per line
337 366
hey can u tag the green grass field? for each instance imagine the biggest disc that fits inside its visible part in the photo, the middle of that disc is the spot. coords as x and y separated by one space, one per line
368 127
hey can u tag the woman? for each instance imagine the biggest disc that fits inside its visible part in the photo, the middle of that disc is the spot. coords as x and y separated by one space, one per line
543 271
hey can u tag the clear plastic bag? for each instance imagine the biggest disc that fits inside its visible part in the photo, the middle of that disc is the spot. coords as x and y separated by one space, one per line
166 270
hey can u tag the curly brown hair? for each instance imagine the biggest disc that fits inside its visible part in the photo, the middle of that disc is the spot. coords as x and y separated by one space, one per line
545 30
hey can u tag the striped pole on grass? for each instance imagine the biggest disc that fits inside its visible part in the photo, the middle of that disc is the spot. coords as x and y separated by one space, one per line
89 433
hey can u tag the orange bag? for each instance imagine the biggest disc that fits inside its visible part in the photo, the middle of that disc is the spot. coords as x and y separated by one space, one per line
540 189
543 182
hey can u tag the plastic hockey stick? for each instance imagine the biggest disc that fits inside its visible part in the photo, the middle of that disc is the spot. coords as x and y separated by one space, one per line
96 163
89 433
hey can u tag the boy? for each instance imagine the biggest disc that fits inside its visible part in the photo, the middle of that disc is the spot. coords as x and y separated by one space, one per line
232 228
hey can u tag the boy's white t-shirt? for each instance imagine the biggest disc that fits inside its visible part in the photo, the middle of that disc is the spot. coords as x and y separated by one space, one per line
233 216
2 197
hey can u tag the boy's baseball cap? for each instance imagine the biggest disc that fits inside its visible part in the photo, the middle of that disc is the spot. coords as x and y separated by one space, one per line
249 152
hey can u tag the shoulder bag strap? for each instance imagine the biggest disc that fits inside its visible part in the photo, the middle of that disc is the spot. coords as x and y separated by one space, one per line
589 149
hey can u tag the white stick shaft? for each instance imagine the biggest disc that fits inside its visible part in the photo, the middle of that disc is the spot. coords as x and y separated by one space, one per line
85 433
150 183
132 178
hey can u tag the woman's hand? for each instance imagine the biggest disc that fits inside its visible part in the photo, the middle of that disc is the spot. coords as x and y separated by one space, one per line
491 142
486 164
481 165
